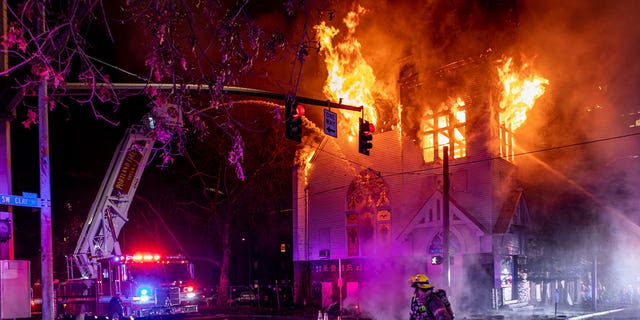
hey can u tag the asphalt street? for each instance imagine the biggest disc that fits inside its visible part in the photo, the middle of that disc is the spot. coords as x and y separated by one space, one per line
613 312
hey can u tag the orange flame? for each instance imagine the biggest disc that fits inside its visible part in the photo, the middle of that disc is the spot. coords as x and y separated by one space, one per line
520 89
350 78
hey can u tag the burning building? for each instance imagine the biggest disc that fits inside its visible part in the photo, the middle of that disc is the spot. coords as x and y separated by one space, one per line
364 224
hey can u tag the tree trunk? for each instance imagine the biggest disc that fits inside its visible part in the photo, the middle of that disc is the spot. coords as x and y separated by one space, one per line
224 267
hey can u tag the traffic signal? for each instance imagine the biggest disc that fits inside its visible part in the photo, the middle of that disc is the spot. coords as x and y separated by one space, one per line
436 260
293 122
365 135
5 230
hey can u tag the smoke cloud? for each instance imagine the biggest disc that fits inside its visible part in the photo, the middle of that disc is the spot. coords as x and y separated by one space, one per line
580 139
587 121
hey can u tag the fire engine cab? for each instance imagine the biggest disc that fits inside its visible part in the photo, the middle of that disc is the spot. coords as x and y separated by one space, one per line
101 280
141 285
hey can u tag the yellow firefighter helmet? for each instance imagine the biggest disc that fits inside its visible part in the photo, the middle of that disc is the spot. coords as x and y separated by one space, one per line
420 280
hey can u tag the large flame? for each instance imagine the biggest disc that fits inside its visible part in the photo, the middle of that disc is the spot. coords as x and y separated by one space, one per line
350 78
520 89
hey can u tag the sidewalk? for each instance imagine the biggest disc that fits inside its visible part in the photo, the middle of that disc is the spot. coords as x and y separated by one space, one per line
548 312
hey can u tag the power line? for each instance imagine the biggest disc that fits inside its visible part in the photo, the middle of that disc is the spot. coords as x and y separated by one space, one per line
439 166
523 153
579 144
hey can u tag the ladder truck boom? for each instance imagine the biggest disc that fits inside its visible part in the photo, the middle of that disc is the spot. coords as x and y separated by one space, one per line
110 283
109 211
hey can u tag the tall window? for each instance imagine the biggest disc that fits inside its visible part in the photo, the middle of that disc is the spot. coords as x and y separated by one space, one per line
506 143
368 215
445 128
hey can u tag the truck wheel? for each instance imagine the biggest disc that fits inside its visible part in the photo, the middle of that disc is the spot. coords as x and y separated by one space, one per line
115 309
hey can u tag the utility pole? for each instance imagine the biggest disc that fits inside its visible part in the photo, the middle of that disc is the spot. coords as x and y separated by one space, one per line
446 265
46 251
6 248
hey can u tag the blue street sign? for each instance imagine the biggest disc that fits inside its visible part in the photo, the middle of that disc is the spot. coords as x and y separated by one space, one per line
26 200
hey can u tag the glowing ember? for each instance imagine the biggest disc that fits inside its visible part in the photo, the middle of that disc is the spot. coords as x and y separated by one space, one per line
350 79
520 89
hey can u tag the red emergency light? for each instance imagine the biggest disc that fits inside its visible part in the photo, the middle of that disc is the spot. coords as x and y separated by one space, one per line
150 258
145 257
139 258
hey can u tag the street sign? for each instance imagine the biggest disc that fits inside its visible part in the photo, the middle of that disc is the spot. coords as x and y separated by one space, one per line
26 200
330 123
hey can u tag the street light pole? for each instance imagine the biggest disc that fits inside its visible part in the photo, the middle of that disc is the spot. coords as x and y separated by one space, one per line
594 285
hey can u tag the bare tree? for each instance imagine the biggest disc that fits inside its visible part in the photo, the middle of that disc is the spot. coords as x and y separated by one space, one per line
198 48
205 45
230 200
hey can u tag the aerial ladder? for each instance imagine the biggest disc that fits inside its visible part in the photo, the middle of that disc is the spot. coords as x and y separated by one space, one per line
109 211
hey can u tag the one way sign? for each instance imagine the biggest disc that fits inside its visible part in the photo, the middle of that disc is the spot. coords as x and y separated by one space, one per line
330 123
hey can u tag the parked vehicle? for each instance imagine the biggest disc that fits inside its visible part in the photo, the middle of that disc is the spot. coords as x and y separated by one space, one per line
245 298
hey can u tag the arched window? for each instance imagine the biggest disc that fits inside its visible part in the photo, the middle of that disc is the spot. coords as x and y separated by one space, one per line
437 244
368 214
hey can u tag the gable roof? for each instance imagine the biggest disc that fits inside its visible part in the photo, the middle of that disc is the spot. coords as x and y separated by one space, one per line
455 209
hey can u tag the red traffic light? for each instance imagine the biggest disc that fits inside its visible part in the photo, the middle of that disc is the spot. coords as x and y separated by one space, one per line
293 120
365 136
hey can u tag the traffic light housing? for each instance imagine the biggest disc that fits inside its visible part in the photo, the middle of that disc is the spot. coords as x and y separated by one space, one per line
293 122
5 230
365 136
437 260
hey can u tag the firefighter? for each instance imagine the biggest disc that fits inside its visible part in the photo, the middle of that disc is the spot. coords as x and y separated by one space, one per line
425 305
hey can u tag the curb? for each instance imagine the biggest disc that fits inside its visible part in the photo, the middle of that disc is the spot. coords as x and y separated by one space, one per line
595 314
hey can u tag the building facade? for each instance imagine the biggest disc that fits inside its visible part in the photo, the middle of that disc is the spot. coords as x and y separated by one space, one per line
362 225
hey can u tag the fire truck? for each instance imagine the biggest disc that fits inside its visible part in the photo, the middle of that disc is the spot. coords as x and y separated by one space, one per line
102 281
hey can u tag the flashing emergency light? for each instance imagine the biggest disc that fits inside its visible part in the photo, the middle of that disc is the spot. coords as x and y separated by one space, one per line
144 294
147 257
189 292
